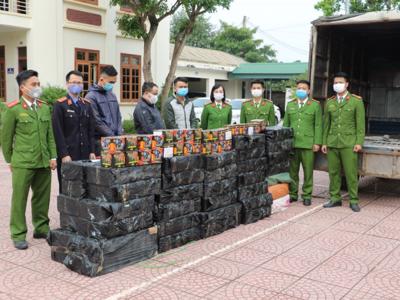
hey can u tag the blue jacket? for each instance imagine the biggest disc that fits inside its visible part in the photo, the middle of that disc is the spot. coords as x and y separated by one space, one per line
147 118
105 111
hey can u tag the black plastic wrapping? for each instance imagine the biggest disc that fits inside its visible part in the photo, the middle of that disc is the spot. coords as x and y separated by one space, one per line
178 164
252 165
171 210
97 175
106 229
244 155
220 220
182 178
222 173
250 191
254 215
218 201
97 211
279 146
93 257
216 161
246 142
256 201
278 168
74 189
178 224
251 177
278 133
125 192
74 170
179 193
179 239
212 189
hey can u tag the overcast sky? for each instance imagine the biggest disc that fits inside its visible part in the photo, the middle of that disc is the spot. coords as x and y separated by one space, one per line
284 24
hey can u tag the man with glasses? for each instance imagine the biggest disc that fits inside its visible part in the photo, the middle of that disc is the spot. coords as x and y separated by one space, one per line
73 124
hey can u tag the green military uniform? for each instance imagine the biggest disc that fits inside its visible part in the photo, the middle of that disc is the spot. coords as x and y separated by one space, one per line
216 115
344 127
306 121
28 145
252 111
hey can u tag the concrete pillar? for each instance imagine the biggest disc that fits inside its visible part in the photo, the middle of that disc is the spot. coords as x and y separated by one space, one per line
210 82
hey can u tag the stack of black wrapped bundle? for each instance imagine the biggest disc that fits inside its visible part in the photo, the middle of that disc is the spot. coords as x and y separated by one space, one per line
221 211
252 186
179 203
106 217
278 146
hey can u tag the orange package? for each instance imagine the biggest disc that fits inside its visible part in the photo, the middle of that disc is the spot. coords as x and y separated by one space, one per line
279 190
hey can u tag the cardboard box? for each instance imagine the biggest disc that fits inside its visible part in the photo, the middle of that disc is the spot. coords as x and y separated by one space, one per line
113 144
198 134
188 148
158 141
131 142
178 148
132 158
119 159
145 142
157 155
145 157
197 148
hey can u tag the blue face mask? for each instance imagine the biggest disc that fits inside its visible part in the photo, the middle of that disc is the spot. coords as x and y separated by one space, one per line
108 86
301 94
182 92
75 88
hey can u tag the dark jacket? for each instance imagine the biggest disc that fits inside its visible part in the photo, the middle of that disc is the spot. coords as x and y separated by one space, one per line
105 111
73 128
147 118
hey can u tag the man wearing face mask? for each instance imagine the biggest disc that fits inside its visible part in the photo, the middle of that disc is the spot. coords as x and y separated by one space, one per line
217 114
29 148
105 106
343 137
73 125
146 116
305 117
178 111
258 108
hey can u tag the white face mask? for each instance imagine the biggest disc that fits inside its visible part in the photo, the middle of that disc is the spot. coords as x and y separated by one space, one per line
257 93
218 96
35 92
153 99
339 87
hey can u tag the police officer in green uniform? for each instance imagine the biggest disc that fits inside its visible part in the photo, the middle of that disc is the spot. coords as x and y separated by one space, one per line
258 108
343 137
305 117
217 114
29 147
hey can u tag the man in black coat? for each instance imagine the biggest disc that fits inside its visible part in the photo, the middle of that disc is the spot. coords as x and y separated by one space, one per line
146 116
73 124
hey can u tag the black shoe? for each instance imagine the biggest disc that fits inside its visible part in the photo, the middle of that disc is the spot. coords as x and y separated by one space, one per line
21 245
293 200
39 235
331 204
355 207
307 202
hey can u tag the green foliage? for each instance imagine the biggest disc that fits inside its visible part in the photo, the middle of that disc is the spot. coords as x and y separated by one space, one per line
281 86
52 93
128 126
202 34
330 7
240 41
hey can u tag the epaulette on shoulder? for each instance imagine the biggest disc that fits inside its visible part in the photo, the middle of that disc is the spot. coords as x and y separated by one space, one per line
316 101
41 101
248 100
12 104
332 98
357 97
63 99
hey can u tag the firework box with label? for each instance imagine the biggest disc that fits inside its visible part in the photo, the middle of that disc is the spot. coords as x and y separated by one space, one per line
179 148
93 257
132 143
198 135
112 144
157 155
145 142
259 125
190 136
158 140
132 158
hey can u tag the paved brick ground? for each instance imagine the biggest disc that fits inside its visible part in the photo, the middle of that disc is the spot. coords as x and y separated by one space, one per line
301 253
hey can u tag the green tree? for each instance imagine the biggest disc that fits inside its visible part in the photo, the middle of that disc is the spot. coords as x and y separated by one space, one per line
193 9
144 22
240 41
281 86
202 34
330 7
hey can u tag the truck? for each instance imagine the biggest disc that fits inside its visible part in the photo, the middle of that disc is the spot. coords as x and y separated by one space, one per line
367 47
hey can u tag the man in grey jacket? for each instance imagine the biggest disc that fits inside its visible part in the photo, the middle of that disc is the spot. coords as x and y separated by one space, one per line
146 116
105 106
179 110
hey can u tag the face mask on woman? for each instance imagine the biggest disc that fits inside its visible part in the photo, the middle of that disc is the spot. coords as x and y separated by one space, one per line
219 96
